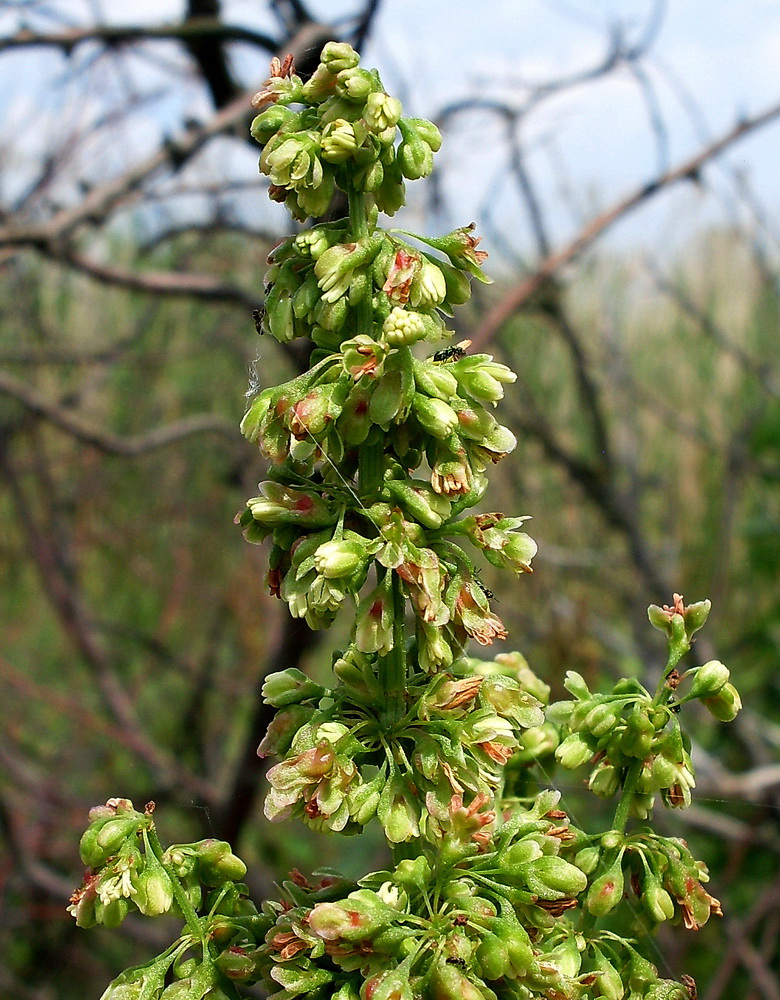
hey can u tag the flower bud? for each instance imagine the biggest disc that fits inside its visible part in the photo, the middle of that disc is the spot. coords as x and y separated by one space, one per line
492 956
419 501
587 859
399 811
709 680
339 141
415 159
637 737
413 873
602 718
435 416
152 891
363 799
695 615
111 914
82 904
434 380
104 838
604 780
434 651
574 751
270 121
609 984
282 729
236 964
217 863
338 56
655 899
428 289
382 111
537 742
607 890
403 327
665 989
374 619
355 84
288 687
449 983
725 705
552 878
355 918
336 559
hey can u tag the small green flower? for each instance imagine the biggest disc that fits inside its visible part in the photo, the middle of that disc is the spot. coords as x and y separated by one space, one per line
403 327
382 112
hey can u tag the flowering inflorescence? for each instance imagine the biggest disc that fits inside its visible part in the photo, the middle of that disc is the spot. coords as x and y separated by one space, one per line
377 455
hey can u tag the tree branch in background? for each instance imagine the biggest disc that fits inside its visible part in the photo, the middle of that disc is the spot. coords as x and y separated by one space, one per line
113 444
193 29
60 587
688 170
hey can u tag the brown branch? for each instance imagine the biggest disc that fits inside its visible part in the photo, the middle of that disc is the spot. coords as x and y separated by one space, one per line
292 645
210 54
59 587
194 29
114 444
738 934
599 487
688 170
166 283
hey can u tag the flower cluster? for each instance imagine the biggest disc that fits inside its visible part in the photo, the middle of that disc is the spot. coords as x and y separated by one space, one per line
345 759
659 871
630 731
474 919
125 872
367 385
338 129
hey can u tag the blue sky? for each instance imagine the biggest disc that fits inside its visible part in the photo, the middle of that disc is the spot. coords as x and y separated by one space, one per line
719 57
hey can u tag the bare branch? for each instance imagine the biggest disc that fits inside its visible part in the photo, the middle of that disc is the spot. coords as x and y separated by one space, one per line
365 21
738 936
98 204
114 444
60 588
113 35
688 170
167 283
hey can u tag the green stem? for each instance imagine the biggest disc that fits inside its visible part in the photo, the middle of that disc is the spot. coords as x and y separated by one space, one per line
371 455
358 217
186 907
370 470
358 227
627 796
397 673
679 645
392 667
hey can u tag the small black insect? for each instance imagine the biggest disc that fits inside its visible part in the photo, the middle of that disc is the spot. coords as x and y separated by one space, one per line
485 590
452 353
460 962
258 315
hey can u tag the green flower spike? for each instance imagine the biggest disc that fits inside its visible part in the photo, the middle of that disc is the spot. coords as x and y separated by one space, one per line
377 453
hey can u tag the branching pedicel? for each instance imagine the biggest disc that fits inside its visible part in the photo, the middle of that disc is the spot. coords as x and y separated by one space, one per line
377 454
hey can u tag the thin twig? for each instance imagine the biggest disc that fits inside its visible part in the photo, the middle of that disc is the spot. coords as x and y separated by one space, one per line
688 170
112 35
